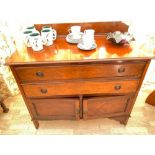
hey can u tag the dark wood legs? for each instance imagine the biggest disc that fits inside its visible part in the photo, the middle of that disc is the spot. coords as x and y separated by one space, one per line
121 119
5 109
36 124
151 99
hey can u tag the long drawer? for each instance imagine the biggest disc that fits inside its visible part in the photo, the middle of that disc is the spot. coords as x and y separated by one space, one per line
80 87
46 73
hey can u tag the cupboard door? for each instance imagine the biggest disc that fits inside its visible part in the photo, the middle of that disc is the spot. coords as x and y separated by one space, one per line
55 108
98 107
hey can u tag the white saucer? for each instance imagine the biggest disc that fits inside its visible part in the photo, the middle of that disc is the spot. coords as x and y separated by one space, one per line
70 39
82 47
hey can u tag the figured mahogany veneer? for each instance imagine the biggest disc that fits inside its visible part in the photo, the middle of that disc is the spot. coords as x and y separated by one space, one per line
96 107
68 72
100 27
63 82
65 108
80 87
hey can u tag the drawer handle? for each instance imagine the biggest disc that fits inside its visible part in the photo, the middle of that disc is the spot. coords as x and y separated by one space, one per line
77 111
85 112
39 74
121 70
43 91
117 87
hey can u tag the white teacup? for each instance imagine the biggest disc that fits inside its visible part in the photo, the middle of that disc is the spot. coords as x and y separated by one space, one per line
36 41
48 35
75 31
87 42
89 33
88 38
26 38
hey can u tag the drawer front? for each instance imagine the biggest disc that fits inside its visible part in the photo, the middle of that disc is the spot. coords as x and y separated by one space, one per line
61 108
46 73
98 107
80 87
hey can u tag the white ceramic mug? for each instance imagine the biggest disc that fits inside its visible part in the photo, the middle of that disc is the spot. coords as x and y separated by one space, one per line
75 31
48 35
26 38
36 41
46 28
31 28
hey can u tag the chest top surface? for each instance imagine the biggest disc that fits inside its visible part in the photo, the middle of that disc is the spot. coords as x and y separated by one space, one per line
63 52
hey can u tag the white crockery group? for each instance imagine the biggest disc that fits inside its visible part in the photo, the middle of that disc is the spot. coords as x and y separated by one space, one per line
33 38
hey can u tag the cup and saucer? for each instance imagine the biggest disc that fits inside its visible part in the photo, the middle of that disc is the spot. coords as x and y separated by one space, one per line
87 44
74 35
74 38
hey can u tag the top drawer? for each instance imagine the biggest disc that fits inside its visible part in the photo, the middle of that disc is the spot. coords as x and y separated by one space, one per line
46 73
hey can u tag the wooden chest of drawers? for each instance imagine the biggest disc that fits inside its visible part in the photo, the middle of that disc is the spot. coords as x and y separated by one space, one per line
80 91
62 82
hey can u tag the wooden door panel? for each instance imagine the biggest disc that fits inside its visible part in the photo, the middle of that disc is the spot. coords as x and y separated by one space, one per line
103 106
55 108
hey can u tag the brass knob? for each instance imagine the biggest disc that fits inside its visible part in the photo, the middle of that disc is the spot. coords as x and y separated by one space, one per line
121 70
117 87
77 111
43 91
85 112
39 74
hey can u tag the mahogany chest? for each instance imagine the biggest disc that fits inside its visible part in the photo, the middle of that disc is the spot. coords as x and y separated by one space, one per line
63 82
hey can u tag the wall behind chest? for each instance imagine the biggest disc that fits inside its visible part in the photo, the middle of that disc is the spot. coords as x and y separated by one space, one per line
78 10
